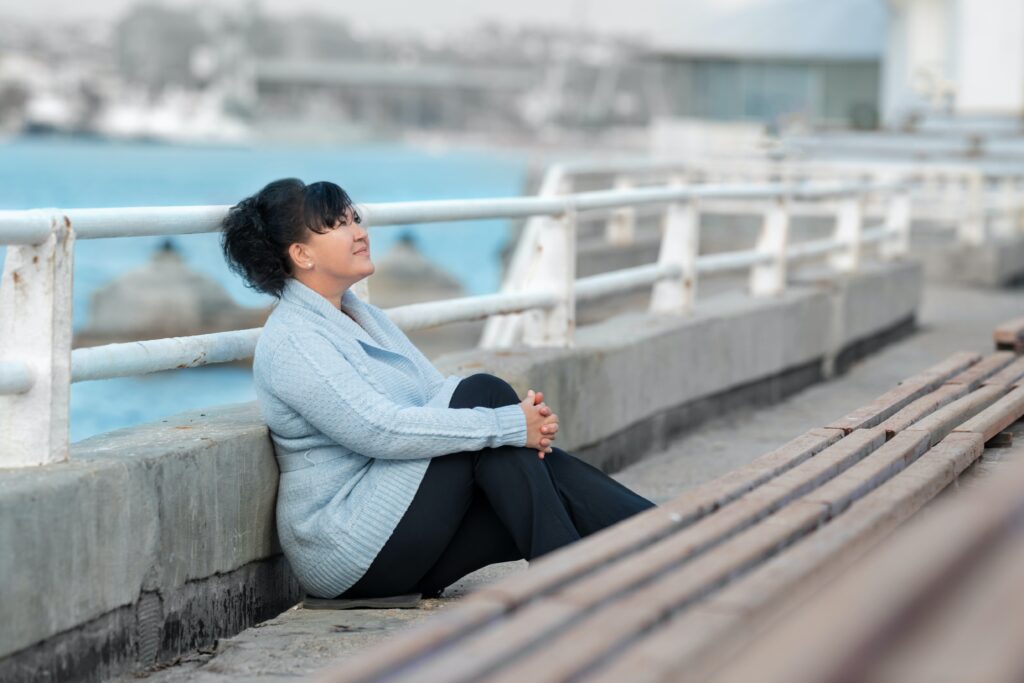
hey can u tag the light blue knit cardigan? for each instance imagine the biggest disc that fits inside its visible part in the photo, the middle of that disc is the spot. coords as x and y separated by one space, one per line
355 412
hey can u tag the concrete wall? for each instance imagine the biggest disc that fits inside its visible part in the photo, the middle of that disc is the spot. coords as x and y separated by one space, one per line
159 539
997 263
150 542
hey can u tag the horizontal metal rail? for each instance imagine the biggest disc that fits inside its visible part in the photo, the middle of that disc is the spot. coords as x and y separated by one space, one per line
32 227
731 260
812 249
432 314
174 353
15 377
625 280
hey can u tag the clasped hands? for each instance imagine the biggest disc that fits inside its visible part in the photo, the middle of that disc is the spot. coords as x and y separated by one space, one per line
541 422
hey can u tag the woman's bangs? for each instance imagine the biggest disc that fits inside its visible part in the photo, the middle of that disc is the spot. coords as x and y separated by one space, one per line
326 204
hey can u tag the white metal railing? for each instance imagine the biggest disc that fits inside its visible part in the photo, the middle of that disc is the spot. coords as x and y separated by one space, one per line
979 200
37 364
841 195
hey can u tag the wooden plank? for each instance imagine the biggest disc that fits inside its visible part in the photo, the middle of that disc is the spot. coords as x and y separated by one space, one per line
685 649
975 634
997 417
572 651
712 530
1010 375
655 658
487 649
566 564
979 372
946 419
405 647
892 458
840 633
1010 335
922 407
907 391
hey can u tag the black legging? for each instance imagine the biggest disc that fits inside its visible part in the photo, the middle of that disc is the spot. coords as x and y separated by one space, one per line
477 508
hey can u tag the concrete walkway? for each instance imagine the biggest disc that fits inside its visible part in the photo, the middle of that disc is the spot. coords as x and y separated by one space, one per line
298 642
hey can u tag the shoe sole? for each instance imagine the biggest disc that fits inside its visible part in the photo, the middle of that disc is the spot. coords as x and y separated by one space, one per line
410 601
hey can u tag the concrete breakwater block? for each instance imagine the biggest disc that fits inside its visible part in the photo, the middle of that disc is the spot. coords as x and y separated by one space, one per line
997 263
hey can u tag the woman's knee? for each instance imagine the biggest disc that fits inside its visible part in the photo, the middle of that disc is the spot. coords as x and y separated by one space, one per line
483 389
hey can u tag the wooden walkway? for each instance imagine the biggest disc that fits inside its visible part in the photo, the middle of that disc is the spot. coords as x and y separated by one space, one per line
678 591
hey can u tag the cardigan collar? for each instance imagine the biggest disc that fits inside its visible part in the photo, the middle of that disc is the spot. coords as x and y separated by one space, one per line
361 323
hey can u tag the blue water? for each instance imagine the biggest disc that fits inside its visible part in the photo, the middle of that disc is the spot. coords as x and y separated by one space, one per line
38 173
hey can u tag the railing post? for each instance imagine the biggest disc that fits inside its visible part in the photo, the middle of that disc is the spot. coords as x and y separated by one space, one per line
502 331
1006 224
554 270
680 243
1018 203
973 220
769 279
849 223
621 227
35 329
897 220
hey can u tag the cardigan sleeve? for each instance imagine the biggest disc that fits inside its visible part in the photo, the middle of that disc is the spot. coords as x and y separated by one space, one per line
309 374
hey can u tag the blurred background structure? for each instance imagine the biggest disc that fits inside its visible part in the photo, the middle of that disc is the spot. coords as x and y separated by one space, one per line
246 71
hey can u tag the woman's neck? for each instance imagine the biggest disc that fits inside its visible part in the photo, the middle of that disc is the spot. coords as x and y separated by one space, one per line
327 287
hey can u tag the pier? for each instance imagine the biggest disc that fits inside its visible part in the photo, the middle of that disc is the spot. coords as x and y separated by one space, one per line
163 544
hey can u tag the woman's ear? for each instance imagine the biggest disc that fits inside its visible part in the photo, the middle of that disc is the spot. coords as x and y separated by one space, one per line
300 256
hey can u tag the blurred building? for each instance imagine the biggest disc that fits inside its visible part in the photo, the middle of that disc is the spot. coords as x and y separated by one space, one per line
771 61
154 46
962 58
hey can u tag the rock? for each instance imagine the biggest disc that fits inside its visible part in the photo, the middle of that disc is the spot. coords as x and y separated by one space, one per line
404 276
164 298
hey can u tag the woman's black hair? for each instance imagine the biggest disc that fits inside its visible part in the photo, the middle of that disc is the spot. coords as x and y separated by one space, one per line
256 233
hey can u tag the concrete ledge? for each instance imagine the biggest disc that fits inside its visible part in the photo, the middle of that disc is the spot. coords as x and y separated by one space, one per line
159 626
162 510
999 263
158 539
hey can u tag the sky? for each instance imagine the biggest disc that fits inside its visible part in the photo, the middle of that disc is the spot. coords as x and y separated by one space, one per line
636 17
755 27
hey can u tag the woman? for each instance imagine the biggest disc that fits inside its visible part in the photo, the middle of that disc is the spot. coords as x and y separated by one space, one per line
394 478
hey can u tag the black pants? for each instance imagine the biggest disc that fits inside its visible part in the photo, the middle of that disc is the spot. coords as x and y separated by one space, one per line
477 508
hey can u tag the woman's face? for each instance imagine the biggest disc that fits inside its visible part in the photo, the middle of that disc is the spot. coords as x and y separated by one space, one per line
342 253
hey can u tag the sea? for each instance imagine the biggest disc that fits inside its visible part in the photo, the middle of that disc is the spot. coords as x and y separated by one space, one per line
75 173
